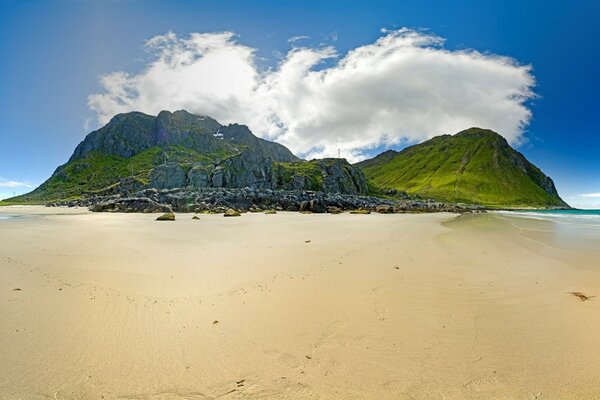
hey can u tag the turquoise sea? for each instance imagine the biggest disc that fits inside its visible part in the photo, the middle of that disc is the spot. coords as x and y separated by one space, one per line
588 217
572 226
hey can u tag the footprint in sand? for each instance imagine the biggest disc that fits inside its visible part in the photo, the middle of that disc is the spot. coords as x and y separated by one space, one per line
381 311
287 359
395 386
379 307
483 384
329 335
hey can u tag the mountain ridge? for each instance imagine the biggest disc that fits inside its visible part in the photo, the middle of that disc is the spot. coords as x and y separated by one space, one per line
134 151
475 166
131 133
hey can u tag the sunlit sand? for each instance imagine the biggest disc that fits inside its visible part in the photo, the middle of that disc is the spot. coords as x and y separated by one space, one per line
294 306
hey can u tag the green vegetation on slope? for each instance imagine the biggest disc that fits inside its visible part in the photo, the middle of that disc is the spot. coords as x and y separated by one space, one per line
473 166
132 144
309 171
97 171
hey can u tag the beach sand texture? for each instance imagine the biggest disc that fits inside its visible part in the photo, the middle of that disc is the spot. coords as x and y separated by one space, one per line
293 306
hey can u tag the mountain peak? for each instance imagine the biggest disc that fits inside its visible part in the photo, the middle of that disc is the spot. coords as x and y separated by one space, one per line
131 133
473 166
118 118
476 132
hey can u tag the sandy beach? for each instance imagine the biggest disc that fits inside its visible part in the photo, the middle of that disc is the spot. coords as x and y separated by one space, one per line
295 306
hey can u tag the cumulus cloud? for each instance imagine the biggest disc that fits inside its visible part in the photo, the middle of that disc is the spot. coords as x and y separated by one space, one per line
403 88
13 184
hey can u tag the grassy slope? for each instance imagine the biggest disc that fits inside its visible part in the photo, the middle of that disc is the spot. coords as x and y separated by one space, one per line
461 168
98 171
308 169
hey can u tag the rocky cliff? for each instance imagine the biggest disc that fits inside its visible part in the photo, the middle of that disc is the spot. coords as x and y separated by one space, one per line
136 151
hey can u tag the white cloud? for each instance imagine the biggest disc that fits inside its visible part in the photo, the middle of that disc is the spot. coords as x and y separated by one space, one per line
297 38
405 87
590 195
13 184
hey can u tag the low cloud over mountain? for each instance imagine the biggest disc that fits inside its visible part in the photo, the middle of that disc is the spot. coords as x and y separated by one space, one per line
404 87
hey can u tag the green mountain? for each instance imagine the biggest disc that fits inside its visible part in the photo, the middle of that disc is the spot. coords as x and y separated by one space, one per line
178 150
472 166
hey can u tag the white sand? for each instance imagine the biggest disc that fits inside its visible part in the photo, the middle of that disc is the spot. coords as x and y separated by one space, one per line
119 306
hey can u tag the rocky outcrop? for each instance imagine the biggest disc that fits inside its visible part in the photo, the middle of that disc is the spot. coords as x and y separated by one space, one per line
168 176
251 199
135 151
248 169
128 204
331 175
384 209
241 134
341 177
251 169
125 135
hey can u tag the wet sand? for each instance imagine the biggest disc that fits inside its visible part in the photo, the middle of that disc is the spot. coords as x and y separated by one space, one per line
294 306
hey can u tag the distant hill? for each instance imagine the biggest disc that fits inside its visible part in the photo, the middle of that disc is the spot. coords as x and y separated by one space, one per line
176 150
472 166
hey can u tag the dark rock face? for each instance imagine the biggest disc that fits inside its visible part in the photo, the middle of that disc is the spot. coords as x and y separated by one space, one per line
199 176
331 175
253 199
242 135
168 176
341 177
125 135
130 204
131 133
184 129
250 169
182 150
384 209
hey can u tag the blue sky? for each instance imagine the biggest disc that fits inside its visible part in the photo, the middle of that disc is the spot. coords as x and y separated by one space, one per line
53 53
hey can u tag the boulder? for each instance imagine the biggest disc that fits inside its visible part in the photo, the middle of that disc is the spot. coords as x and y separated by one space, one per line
316 207
384 209
292 207
230 212
303 206
360 211
166 217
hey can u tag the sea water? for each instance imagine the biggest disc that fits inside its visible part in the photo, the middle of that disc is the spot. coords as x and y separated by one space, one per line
567 225
574 216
